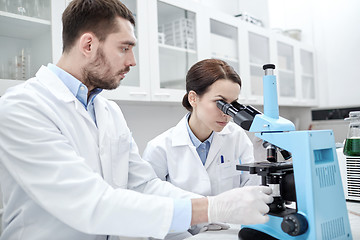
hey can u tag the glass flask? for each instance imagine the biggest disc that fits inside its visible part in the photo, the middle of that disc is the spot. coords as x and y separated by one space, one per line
352 142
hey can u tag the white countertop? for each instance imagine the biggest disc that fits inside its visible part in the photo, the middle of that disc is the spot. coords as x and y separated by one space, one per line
232 232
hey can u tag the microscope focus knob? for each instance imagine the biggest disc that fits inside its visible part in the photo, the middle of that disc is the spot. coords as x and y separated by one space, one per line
294 224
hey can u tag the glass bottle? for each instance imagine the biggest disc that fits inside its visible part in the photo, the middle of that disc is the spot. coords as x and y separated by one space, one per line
352 142
17 7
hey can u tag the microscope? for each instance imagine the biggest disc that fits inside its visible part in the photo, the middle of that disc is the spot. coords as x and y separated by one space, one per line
309 176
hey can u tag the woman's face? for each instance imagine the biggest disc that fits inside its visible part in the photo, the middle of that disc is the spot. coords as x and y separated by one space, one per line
207 115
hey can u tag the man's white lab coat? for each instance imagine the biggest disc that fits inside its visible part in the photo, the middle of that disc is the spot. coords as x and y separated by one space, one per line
63 177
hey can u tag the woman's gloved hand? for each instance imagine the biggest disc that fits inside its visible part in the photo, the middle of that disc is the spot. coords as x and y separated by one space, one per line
246 205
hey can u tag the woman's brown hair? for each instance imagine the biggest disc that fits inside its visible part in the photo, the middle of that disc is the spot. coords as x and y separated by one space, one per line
203 74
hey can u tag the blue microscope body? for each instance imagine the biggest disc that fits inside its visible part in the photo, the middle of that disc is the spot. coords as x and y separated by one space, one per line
311 180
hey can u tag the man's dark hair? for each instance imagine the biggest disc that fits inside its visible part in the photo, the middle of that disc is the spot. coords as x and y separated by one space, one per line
96 16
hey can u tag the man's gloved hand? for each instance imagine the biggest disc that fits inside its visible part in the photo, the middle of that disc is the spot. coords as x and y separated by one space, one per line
246 205
215 227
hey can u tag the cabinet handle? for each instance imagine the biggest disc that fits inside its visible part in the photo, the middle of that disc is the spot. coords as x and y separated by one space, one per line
252 99
162 94
138 93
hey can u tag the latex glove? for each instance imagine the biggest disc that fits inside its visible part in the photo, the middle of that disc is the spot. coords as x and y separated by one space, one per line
246 205
215 227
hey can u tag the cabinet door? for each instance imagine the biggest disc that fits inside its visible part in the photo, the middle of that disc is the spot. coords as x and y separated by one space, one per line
285 70
224 42
26 38
174 48
259 54
136 85
308 86
295 72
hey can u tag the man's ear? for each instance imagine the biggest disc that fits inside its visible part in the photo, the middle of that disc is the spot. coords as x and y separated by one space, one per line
192 98
88 44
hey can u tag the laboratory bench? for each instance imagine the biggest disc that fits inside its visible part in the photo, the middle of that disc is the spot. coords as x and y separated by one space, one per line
232 232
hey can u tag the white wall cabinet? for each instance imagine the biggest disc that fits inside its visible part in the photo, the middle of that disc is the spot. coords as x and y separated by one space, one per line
172 36
295 72
173 45
256 52
248 47
30 36
136 84
224 38
309 85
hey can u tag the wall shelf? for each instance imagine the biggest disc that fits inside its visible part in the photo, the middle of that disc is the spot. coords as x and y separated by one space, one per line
22 26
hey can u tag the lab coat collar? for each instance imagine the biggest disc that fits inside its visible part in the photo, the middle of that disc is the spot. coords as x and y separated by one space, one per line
60 91
180 135
193 138
54 84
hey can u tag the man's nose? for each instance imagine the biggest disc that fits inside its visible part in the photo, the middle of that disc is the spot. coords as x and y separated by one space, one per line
131 61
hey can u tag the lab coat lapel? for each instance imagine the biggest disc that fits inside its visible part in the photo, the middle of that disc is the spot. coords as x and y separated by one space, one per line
216 144
180 137
81 109
215 147
102 120
102 117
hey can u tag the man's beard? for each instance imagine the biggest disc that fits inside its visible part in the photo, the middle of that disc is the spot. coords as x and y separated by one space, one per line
96 74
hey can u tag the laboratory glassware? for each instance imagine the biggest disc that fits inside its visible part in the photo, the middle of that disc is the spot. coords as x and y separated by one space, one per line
352 142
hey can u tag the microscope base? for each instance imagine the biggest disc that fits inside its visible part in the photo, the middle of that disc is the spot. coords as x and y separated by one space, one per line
251 234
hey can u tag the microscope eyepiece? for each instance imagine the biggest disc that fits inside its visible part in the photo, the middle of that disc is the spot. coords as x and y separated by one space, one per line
242 115
226 108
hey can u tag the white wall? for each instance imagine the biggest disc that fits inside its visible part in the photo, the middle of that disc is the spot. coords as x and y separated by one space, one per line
332 27
337 39
287 15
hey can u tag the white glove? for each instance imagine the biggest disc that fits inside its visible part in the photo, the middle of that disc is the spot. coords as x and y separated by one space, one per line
246 205
215 227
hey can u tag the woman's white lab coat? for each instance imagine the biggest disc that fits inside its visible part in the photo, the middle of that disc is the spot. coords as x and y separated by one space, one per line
174 158
63 177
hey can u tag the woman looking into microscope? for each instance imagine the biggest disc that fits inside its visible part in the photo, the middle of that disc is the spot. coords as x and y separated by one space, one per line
201 152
